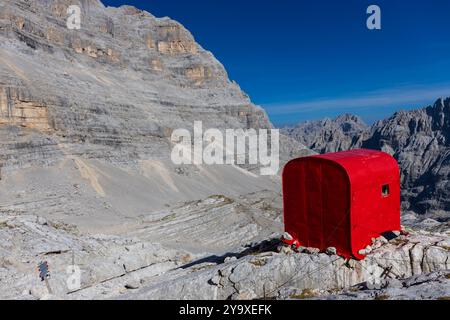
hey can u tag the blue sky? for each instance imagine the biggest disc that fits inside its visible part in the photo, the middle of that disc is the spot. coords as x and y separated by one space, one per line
305 60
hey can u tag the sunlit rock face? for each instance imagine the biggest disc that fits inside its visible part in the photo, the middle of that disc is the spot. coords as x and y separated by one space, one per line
329 135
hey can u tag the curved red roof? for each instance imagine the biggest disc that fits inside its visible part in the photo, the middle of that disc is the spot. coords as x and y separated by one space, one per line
363 163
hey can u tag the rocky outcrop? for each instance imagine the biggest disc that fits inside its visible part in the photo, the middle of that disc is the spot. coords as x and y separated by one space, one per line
329 135
26 240
298 275
427 286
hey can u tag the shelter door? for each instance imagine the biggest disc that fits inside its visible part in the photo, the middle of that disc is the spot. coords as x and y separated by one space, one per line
327 201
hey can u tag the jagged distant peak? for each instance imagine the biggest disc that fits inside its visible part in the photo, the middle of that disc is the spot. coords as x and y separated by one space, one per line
346 117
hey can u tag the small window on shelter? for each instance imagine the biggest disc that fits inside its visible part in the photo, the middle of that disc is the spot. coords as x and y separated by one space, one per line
385 190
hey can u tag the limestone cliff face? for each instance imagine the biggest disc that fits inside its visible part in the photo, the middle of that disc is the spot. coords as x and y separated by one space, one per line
19 111
113 90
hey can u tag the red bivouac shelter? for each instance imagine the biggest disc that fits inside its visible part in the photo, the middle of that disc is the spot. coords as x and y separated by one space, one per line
341 200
